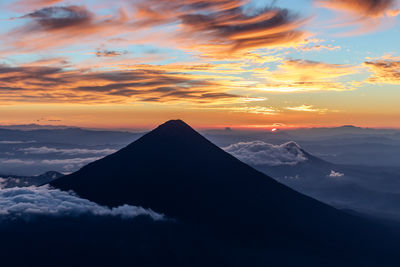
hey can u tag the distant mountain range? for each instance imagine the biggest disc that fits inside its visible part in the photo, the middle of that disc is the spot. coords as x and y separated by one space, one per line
175 171
67 136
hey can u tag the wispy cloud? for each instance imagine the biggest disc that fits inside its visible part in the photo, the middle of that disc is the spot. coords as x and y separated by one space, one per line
110 53
64 25
222 27
58 18
13 142
305 75
386 70
362 8
367 14
72 151
320 47
55 84
248 109
23 5
218 28
307 108
75 161
16 161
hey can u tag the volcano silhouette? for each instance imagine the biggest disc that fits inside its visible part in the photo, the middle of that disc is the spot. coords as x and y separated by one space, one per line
175 171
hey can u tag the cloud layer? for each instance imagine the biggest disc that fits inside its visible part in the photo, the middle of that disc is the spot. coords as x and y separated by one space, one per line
362 8
304 75
33 4
385 70
367 14
212 28
148 84
33 201
261 153
61 164
222 27
64 151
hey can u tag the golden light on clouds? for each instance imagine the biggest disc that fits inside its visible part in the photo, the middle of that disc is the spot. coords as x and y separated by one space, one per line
363 8
385 70
366 15
304 75
240 61
307 108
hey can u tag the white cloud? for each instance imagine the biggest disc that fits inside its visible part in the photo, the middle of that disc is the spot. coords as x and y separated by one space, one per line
296 177
334 174
32 201
72 151
16 161
261 153
68 165
69 161
16 142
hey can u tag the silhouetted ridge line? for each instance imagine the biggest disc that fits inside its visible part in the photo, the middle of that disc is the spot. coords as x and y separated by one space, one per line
175 171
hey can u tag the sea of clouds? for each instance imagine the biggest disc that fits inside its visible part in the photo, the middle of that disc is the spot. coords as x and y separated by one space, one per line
261 153
28 202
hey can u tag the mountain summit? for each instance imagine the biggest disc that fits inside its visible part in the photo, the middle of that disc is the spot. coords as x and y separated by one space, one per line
176 171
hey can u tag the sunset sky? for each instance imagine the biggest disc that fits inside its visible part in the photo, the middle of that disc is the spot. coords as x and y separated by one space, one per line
137 63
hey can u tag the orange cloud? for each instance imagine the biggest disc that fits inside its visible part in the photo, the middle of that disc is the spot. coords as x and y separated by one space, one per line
218 28
57 85
385 70
365 13
63 25
23 5
362 8
320 47
305 75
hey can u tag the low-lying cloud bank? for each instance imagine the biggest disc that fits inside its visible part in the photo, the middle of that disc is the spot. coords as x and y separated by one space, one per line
71 151
261 153
62 165
29 202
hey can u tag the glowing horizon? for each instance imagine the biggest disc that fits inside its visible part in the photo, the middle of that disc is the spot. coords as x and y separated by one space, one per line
215 64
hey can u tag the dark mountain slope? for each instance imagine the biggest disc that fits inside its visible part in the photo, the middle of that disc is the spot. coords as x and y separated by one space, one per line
175 171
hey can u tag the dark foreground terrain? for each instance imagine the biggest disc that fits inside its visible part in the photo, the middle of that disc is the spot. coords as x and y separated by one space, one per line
105 241
219 212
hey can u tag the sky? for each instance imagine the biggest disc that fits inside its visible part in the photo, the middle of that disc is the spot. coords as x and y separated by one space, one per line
220 63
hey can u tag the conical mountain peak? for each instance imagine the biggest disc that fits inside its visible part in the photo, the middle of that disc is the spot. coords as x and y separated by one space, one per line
176 171
174 137
173 127
174 124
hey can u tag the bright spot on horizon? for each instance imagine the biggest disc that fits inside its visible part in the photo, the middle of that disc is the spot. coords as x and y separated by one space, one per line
274 130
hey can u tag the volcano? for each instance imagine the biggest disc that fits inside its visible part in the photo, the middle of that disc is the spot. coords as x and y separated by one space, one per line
175 171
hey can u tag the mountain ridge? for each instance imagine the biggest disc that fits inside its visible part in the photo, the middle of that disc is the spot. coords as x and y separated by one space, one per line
175 171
